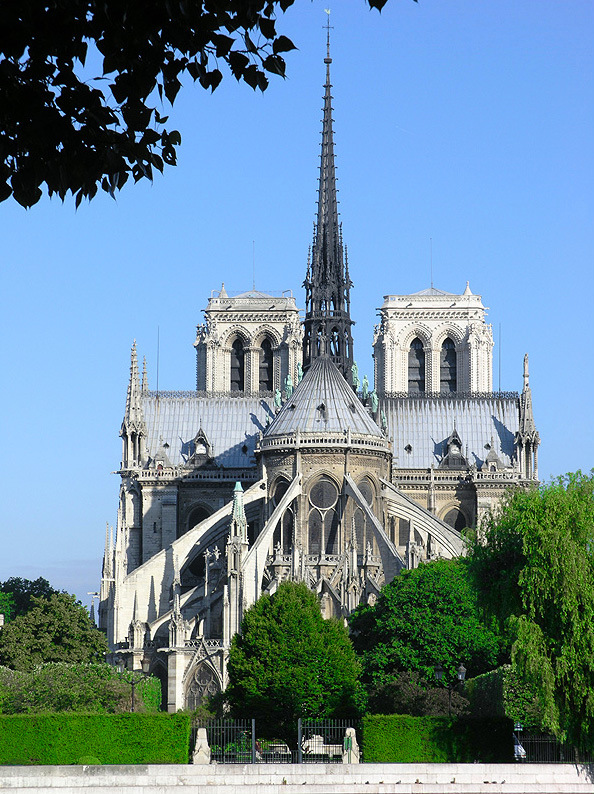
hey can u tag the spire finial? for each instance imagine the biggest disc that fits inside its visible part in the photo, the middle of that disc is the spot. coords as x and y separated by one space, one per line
526 373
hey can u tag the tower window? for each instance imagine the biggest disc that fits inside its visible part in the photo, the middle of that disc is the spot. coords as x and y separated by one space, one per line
416 367
447 367
237 366
265 376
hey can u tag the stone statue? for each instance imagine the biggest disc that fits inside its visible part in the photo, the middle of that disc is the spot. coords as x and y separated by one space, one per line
374 402
277 399
355 371
299 373
288 386
365 388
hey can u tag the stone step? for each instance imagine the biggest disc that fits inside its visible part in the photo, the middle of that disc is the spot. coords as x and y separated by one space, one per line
297 779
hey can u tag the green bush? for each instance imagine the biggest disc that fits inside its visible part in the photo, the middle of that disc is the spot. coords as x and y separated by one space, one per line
82 687
107 738
501 693
397 738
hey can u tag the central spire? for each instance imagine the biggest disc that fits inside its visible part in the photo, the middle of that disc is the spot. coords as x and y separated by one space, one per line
327 285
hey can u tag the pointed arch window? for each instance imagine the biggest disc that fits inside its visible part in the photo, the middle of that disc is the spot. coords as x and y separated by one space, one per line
265 372
416 367
237 366
324 518
447 367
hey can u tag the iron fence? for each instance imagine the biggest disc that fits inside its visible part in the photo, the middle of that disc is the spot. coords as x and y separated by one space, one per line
230 741
543 749
321 741
238 742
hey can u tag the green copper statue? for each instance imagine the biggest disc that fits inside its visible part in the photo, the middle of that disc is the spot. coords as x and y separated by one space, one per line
299 373
365 388
355 371
374 402
384 422
288 386
278 400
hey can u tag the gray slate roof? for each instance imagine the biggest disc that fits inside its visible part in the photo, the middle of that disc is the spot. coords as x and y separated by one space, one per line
425 425
323 401
230 423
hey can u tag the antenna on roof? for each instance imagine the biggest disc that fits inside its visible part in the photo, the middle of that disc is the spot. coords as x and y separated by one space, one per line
254 265
431 258
499 356
158 346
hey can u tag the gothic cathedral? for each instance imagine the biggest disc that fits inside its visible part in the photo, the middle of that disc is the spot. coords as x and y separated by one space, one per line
284 465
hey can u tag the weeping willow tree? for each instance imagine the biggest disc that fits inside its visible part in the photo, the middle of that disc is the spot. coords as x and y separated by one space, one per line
534 569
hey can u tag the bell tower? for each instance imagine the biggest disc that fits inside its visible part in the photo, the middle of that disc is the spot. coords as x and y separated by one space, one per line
327 324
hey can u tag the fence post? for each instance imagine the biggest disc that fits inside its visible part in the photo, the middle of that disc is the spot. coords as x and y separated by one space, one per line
299 737
253 741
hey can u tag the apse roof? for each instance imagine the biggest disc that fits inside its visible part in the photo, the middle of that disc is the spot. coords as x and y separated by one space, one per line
323 401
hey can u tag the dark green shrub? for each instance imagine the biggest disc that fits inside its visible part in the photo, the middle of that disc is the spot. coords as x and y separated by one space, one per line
501 693
397 738
109 738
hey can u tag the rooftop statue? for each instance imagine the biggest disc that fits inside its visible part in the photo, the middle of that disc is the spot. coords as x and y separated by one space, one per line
365 388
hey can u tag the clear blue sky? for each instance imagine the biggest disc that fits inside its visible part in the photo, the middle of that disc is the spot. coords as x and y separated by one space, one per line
471 123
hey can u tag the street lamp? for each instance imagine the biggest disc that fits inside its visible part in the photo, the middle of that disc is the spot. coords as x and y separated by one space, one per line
460 676
121 668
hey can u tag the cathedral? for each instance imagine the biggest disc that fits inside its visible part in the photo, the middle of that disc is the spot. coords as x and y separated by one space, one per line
284 465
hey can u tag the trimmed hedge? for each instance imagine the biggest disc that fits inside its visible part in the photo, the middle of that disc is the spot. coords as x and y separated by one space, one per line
400 738
67 738
501 693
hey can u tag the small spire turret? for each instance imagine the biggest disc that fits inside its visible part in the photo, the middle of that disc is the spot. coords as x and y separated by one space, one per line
527 438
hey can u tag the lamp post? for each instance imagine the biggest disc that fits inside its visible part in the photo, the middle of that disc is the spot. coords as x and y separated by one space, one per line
460 676
121 668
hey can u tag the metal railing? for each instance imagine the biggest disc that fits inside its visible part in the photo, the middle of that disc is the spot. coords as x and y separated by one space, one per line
237 742
321 741
544 749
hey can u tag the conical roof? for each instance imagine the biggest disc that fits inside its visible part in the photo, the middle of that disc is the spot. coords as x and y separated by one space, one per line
323 402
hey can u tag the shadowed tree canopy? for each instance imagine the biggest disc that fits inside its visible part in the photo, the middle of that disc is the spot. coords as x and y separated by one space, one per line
55 629
80 82
424 617
24 590
535 572
289 662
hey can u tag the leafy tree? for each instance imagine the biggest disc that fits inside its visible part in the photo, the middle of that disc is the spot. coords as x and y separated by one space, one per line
7 606
55 629
82 687
289 662
24 590
73 129
535 572
409 693
424 617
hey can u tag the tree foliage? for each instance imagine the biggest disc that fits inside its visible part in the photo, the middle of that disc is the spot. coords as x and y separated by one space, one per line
409 693
82 687
289 662
24 590
7 606
81 82
424 617
535 571
55 629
